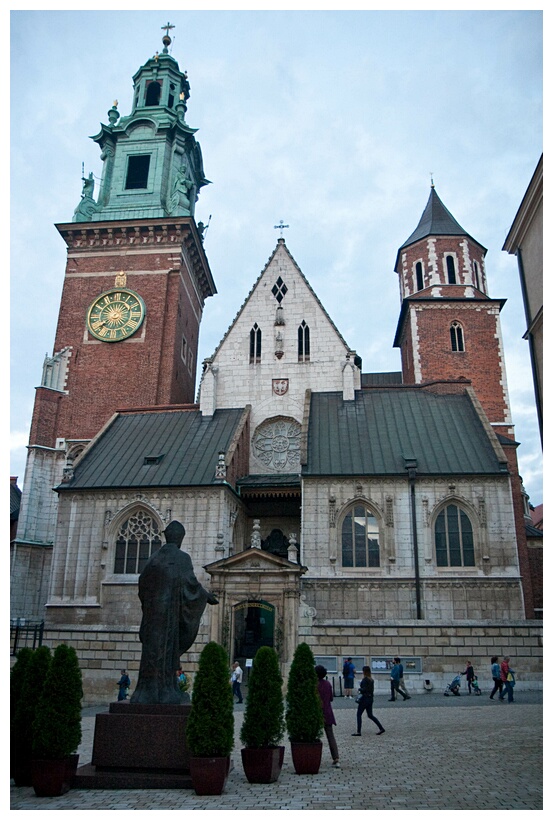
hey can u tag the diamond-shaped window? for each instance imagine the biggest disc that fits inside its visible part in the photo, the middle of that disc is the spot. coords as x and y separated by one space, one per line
279 290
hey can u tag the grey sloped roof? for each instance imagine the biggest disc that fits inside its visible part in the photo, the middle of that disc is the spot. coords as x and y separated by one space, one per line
188 441
15 501
372 434
436 220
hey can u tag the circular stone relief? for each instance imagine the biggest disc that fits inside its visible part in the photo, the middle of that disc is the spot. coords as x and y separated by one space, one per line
276 443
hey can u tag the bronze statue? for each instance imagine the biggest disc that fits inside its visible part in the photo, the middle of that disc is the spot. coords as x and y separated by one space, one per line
173 601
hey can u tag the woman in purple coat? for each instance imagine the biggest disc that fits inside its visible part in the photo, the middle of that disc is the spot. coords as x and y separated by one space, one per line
326 696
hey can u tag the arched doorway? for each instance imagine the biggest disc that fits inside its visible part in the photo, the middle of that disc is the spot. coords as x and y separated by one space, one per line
254 626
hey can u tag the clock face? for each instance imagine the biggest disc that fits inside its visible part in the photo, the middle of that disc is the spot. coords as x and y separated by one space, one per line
115 315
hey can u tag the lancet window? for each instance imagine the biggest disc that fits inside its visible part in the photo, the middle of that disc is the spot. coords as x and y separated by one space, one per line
454 538
360 546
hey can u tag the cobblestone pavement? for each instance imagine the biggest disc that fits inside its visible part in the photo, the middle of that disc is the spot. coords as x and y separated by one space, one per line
437 753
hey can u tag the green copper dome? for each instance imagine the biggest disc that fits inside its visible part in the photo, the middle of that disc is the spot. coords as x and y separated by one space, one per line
152 162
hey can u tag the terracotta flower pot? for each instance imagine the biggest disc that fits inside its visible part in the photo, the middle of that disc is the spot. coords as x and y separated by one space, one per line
50 777
263 765
306 757
209 774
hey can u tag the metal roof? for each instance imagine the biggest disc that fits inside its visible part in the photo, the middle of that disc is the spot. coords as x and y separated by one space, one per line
275 480
436 220
381 379
15 501
374 433
157 449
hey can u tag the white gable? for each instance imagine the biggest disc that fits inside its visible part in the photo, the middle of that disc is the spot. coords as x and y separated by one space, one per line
275 385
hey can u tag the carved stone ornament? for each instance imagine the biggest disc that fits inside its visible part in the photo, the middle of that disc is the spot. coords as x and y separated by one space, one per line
276 443
280 387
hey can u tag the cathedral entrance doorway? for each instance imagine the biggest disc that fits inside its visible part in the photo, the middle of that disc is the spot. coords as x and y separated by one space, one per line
254 626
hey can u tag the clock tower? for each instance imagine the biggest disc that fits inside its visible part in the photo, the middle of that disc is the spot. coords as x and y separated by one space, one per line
136 281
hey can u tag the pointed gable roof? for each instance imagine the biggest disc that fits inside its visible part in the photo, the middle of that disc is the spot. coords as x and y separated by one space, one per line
436 220
280 244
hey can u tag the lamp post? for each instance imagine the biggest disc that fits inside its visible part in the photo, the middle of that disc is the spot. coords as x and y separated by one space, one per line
411 467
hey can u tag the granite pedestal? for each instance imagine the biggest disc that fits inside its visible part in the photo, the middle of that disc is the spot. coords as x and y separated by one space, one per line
138 746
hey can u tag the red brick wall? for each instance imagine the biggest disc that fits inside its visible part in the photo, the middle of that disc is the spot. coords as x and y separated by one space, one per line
44 423
520 524
144 370
480 362
535 560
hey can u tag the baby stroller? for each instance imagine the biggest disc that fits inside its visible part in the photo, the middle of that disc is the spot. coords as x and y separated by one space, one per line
476 687
453 687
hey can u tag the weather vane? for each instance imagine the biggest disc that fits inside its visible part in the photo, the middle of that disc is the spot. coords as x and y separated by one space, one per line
281 227
431 179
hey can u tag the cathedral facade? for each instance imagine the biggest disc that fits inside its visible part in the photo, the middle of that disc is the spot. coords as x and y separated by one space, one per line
368 514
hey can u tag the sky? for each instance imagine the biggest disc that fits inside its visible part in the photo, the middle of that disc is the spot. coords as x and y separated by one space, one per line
331 121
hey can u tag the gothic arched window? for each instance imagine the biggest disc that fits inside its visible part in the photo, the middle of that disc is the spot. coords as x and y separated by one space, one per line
453 538
303 343
360 547
255 344
457 338
420 279
138 537
450 264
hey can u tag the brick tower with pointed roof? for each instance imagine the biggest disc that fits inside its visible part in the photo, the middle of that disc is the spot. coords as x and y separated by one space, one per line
449 330
449 326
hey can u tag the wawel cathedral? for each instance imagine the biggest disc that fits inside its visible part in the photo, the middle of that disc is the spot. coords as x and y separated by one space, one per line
367 514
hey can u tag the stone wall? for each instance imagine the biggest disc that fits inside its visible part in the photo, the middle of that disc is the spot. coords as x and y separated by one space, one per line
443 650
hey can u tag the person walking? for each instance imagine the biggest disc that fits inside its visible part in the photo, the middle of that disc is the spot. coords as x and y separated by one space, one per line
123 683
469 672
236 680
326 695
402 689
348 673
507 678
395 674
496 677
366 689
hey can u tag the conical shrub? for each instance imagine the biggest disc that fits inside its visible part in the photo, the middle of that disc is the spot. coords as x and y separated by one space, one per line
17 714
304 713
57 725
36 674
210 726
264 714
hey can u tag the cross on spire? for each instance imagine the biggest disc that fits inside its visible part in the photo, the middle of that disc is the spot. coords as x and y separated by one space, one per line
166 40
280 227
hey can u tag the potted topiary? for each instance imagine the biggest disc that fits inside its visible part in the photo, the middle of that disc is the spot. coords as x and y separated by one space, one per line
20 756
57 725
210 726
36 673
304 713
263 725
